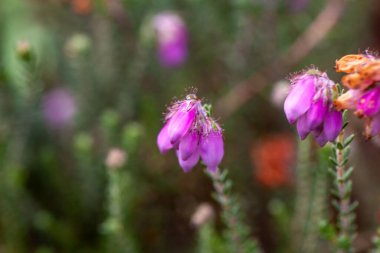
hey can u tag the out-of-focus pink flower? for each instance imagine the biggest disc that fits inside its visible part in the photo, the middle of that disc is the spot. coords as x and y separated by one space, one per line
116 158
172 39
58 107
203 214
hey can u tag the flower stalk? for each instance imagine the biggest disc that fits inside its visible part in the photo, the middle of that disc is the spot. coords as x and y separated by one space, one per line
237 233
310 197
119 237
376 242
342 193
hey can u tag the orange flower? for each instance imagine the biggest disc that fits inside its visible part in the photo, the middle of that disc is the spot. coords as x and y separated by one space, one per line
81 7
352 63
362 69
272 158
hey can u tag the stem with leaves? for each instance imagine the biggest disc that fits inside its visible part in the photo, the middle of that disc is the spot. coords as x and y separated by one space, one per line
376 242
342 192
120 239
310 197
237 233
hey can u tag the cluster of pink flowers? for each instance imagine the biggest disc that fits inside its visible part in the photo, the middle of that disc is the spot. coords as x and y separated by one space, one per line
363 94
193 134
309 105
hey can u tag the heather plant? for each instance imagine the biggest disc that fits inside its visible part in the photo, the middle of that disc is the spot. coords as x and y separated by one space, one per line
315 105
82 87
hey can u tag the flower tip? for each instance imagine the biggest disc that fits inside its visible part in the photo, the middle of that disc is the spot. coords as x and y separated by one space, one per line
163 141
212 170
333 125
302 127
211 149
188 164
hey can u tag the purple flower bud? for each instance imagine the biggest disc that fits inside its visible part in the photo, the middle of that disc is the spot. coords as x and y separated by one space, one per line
373 128
171 39
332 125
300 97
369 103
163 140
211 149
180 123
58 108
302 127
316 113
320 137
188 145
190 162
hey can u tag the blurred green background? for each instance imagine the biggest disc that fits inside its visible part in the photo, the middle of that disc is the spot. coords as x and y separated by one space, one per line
82 80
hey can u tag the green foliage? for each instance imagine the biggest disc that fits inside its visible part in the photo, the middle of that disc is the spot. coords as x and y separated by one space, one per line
237 234
346 228
311 195
209 241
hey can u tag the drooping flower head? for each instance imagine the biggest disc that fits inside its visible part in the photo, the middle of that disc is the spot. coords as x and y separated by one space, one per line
193 134
171 39
363 94
309 106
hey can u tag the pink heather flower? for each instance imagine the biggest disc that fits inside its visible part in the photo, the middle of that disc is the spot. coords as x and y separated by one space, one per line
309 106
373 126
369 103
172 39
58 107
193 133
366 105
211 149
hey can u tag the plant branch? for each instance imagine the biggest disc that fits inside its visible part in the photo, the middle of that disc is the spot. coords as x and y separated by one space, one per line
342 192
237 233
302 46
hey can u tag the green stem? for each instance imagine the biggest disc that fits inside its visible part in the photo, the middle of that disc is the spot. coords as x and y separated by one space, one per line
309 198
345 208
376 242
237 234
119 238
344 202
